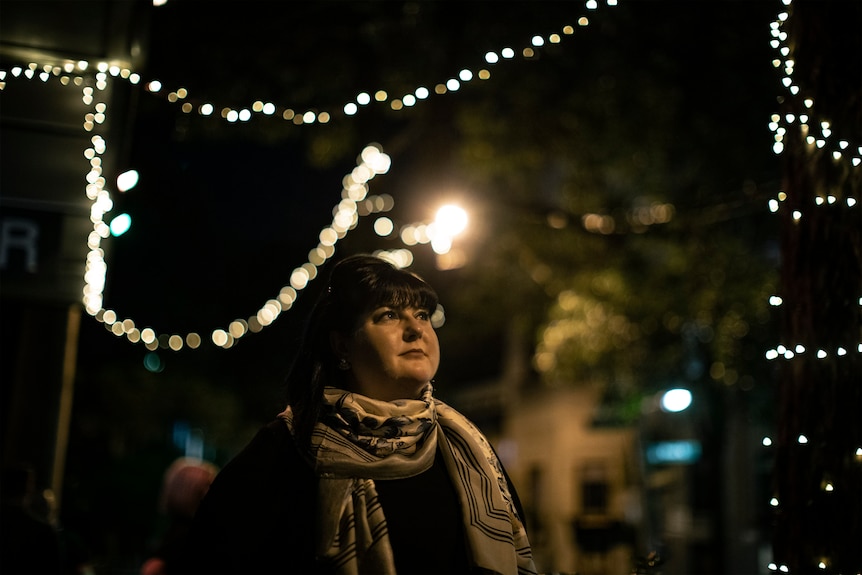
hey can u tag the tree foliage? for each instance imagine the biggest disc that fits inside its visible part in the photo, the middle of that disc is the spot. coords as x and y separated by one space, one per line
628 197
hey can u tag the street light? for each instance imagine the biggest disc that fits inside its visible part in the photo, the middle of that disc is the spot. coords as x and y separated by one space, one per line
450 221
676 400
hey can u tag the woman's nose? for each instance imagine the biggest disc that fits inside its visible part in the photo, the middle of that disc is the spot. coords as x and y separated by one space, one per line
413 329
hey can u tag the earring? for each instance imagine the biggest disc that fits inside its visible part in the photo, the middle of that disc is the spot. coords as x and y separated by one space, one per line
343 364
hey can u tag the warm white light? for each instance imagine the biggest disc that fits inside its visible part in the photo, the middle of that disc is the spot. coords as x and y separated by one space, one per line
441 244
451 220
383 226
399 258
299 278
377 161
175 342
220 337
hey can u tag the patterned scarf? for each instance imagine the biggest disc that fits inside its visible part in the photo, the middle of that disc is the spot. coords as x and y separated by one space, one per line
358 439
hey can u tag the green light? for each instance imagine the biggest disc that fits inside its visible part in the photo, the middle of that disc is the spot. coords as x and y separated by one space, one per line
153 363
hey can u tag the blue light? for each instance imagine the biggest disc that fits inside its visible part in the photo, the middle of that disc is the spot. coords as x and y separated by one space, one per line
153 363
683 451
120 224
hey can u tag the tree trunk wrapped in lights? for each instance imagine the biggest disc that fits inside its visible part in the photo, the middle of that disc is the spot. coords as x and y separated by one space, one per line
818 471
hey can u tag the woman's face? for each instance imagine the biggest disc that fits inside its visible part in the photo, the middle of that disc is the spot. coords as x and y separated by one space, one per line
392 354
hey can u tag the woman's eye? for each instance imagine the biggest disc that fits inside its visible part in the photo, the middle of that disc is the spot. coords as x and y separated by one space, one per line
387 314
423 315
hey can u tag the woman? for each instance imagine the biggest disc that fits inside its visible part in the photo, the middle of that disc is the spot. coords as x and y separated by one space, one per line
364 471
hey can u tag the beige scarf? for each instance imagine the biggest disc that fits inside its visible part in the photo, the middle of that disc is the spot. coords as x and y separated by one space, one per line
359 439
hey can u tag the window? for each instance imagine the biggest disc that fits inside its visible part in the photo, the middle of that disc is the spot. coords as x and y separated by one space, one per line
595 488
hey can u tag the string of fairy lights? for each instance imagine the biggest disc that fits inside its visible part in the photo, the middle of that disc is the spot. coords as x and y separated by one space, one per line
316 115
816 130
94 82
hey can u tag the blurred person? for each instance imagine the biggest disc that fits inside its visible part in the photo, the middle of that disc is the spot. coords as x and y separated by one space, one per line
365 471
184 486
29 543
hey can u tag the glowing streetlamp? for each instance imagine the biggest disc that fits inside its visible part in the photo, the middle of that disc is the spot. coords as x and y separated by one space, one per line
676 400
449 222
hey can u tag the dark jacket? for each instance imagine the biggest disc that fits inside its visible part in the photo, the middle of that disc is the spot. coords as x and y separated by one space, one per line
259 516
